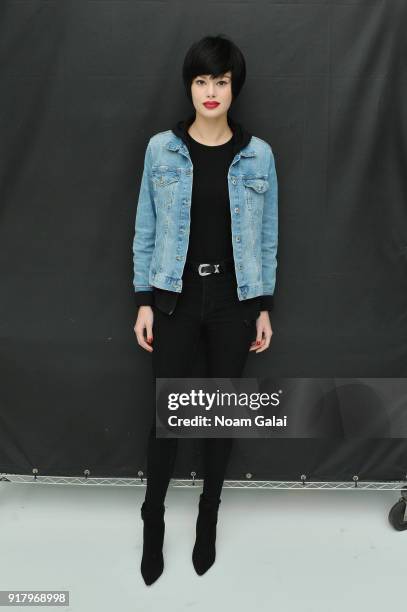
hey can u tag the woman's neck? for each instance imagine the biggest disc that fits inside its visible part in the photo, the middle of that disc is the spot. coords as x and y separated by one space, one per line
210 131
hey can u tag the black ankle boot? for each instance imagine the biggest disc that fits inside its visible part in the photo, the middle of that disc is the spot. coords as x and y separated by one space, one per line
204 553
152 563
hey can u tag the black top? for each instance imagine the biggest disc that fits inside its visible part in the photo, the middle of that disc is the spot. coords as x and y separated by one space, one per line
210 236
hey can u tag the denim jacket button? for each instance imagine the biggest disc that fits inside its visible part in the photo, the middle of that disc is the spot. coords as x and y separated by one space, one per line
236 209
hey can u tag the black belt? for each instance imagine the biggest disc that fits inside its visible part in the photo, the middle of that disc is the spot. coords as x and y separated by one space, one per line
203 269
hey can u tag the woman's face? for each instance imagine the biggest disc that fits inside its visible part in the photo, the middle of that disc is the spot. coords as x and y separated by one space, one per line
205 88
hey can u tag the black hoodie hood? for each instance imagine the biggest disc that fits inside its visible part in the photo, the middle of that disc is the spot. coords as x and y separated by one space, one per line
241 137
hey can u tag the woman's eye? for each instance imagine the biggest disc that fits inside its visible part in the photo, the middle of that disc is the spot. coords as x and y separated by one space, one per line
201 81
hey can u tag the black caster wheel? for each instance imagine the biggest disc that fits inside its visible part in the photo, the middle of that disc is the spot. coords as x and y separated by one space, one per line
396 515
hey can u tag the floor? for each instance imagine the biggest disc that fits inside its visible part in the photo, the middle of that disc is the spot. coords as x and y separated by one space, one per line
282 550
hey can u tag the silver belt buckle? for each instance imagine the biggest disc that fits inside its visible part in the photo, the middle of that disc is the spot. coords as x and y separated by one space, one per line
216 270
200 268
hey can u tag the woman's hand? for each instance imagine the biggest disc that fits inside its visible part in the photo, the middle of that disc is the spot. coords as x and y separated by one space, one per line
145 319
264 333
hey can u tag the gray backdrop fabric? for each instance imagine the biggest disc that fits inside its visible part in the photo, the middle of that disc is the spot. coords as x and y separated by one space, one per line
84 86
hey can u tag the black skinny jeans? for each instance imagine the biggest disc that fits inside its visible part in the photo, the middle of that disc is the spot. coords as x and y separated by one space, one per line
208 305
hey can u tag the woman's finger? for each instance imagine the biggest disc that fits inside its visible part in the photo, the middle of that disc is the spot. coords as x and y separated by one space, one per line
256 343
139 329
265 344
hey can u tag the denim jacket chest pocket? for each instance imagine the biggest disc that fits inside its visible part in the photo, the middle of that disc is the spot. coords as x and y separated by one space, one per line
165 182
254 189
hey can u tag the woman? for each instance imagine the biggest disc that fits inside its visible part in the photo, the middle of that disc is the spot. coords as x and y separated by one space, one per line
204 261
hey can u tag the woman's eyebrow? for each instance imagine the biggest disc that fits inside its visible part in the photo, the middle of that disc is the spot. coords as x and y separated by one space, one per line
205 76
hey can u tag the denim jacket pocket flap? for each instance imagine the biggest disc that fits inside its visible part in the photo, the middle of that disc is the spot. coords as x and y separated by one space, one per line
259 185
161 179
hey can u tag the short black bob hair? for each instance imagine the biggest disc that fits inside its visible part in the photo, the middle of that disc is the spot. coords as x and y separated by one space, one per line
214 55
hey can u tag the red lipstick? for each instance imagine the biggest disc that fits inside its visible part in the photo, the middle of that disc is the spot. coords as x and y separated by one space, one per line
211 104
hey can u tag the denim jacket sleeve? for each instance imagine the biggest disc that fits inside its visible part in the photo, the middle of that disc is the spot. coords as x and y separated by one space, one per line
270 231
145 227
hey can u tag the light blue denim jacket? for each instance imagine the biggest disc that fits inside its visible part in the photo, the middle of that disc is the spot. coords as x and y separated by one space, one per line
163 216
